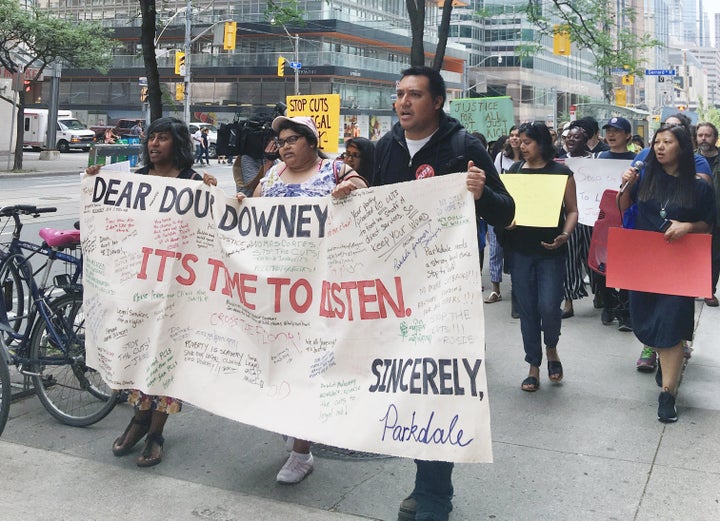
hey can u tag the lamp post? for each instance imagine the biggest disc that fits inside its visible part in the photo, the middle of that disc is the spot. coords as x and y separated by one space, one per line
296 44
186 48
499 60
186 80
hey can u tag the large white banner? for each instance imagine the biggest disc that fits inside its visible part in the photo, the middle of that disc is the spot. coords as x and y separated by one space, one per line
592 178
356 323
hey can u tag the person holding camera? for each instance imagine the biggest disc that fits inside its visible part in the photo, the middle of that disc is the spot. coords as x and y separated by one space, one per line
672 200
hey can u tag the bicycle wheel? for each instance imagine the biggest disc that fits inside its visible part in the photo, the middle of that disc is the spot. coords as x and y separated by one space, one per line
72 392
5 394
13 295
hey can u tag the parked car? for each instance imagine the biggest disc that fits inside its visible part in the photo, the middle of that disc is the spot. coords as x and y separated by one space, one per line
212 136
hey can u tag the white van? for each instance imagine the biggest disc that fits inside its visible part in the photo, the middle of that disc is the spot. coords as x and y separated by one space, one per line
71 133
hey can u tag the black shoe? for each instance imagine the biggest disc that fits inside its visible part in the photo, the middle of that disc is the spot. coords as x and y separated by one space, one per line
607 317
667 413
625 324
407 509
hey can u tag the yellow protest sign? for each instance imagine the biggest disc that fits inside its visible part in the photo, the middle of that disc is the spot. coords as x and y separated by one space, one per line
325 110
538 198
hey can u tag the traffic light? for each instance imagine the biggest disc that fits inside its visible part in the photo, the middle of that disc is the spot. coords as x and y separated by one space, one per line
229 36
179 91
281 66
561 40
180 63
143 94
628 79
620 97
27 86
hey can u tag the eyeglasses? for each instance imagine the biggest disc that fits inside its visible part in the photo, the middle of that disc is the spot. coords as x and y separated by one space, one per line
354 155
287 141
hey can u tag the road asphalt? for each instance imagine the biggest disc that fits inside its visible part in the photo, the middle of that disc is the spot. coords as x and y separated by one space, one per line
590 448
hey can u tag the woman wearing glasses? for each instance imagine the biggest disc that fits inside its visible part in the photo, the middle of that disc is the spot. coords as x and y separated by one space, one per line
303 171
360 155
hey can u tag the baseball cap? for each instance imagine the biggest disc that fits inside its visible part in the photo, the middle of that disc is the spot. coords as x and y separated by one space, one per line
305 121
619 123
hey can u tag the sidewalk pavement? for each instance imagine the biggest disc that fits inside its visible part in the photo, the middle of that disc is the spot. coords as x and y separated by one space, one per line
590 448
72 162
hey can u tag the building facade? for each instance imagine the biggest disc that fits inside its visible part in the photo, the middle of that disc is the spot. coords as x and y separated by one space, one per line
352 48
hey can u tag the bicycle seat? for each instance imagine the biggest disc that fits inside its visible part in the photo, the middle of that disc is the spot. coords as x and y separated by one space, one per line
60 238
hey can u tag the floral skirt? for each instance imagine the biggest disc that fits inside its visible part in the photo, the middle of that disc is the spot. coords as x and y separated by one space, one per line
149 402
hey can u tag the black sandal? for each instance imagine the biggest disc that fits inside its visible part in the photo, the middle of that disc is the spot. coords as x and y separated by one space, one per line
146 458
555 371
530 384
121 446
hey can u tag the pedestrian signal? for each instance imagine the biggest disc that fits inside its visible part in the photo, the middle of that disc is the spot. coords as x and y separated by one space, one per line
143 94
179 91
180 63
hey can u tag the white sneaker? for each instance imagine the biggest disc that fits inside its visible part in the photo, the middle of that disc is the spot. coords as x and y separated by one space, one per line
295 469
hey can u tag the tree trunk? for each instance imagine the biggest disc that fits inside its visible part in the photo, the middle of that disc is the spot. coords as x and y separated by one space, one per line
19 131
416 10
147 41
443 33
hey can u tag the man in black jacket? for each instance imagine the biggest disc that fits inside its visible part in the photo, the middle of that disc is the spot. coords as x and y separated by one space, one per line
426 142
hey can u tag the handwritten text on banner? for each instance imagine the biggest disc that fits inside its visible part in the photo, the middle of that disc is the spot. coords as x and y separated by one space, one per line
354 323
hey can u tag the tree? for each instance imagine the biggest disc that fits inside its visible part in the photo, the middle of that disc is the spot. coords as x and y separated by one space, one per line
416 10
32 39
147 42
597 26
283 13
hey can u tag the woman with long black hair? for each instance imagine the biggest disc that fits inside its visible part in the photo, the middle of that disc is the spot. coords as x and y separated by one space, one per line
537 259
672 200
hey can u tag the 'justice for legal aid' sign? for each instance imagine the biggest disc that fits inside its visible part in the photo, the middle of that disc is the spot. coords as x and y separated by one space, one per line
353 322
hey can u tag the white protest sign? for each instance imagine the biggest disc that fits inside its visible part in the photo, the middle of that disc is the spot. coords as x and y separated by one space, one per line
356 323
592 178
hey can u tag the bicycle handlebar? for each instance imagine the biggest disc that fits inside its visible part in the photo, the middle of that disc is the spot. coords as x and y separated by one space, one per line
25 209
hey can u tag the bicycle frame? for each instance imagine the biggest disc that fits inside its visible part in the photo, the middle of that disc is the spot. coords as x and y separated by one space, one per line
38 298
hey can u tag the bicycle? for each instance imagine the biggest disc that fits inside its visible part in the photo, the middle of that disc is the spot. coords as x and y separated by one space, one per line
43 334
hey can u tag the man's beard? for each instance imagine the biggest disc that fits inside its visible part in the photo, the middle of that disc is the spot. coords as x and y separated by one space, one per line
703 148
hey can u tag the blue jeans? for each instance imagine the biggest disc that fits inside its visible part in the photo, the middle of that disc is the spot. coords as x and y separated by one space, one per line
537 282
198 153
433 490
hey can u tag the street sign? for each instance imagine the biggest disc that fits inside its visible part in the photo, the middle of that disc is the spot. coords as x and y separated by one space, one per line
660 72
295 65
142 81
619 71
